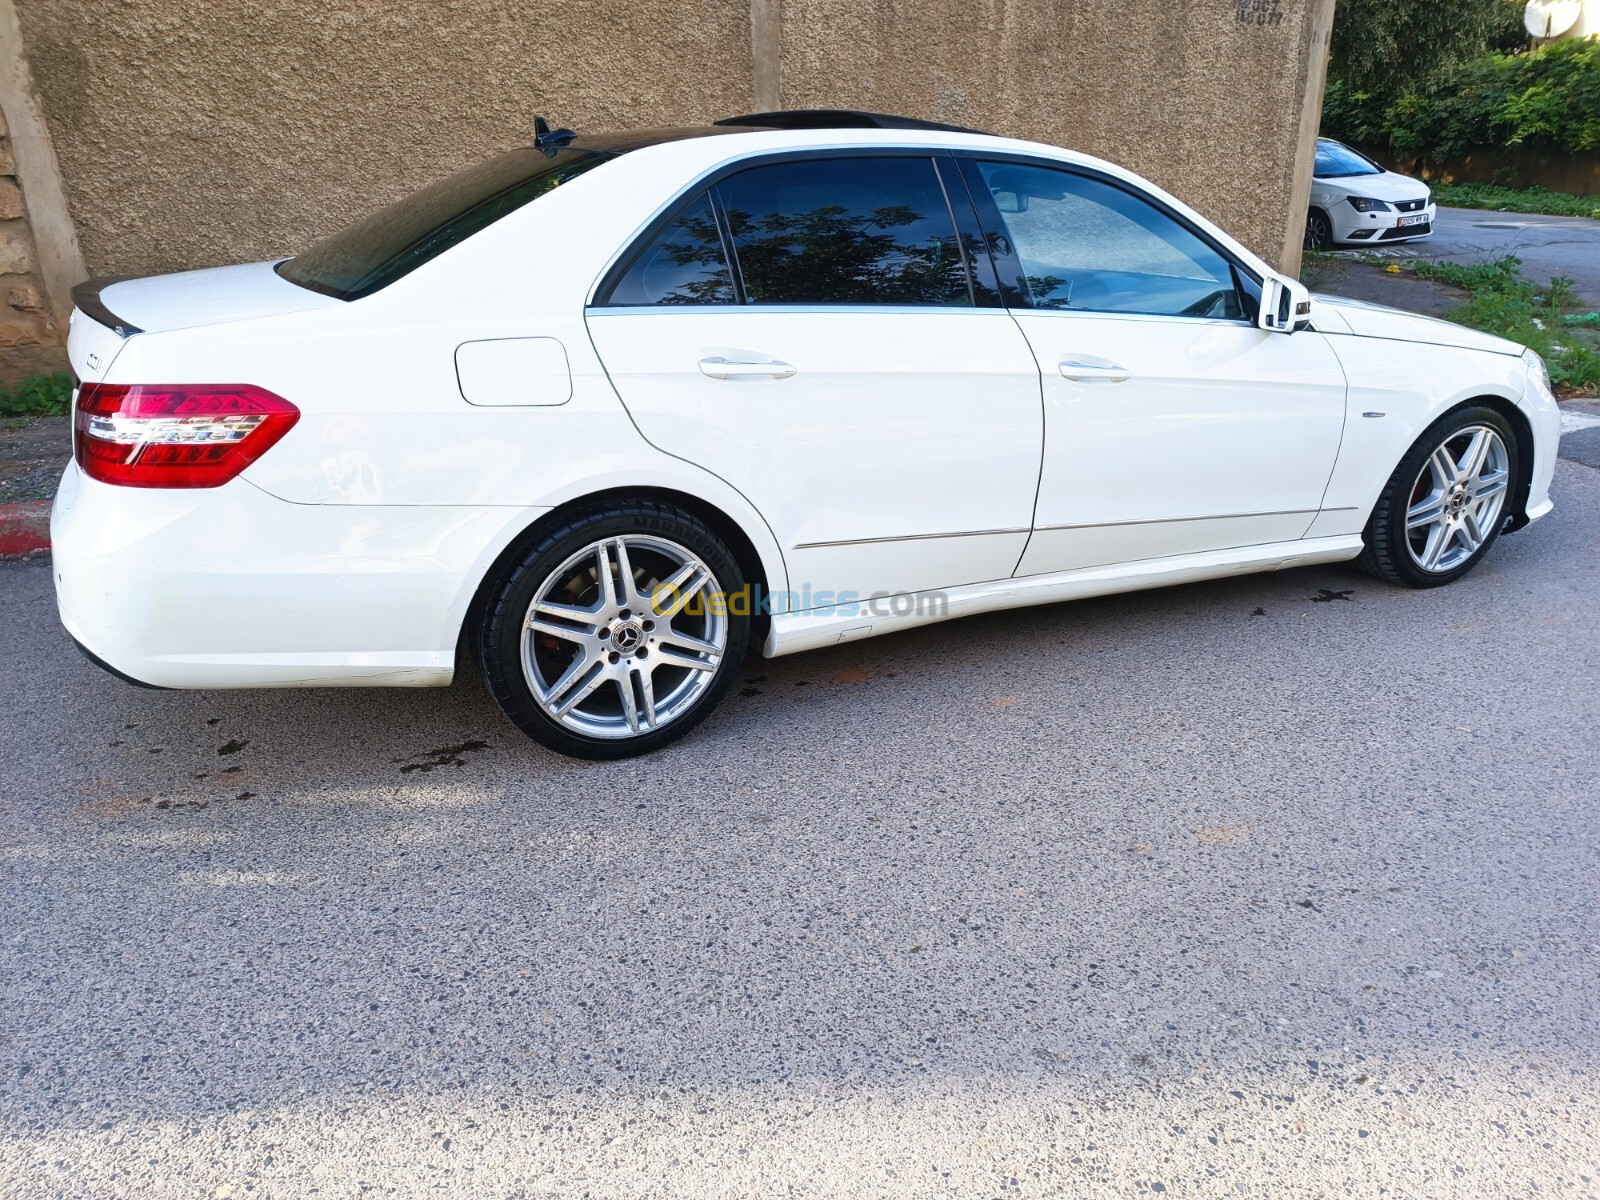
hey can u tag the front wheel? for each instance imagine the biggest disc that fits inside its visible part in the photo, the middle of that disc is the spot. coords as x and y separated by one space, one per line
1319 230
1445 503
617 631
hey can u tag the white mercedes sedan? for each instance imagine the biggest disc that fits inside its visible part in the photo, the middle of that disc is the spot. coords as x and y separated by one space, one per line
602 414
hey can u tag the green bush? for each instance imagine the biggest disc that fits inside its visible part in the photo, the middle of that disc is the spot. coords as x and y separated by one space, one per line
1522 200
38 396
1547 98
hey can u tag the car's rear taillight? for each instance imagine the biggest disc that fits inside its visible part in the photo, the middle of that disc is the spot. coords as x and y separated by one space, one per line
176 436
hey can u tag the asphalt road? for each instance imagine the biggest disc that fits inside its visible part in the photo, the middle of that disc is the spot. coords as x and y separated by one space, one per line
1276 886
1547 246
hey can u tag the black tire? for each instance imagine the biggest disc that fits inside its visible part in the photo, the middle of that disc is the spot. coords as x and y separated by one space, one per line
1389 552
519 582
1319 230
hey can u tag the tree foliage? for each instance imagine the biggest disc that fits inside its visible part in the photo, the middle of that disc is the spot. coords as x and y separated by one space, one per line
1376 41
1548 98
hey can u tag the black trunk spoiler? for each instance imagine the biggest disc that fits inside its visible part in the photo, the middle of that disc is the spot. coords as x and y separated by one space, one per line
86 296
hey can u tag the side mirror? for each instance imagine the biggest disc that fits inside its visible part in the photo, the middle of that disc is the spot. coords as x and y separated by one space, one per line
1285 305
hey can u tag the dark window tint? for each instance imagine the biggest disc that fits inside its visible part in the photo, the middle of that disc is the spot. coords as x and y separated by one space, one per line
379 249
844 231
1340 162
683 264
1088 245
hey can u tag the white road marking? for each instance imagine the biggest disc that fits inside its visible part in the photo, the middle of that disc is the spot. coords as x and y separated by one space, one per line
1573 420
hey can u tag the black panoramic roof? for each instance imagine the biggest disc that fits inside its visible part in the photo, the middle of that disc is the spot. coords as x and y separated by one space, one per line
837 118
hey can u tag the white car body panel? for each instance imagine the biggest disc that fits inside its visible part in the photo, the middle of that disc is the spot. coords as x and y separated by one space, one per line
233 588
1171 461
350 552
819 628
901 455
91 348
1400 384
520 372
213 296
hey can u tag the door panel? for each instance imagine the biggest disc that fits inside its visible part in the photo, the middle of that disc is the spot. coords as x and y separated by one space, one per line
1172 424
890 450
1210 435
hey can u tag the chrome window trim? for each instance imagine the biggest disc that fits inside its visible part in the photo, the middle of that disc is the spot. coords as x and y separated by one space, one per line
602 310
1237 322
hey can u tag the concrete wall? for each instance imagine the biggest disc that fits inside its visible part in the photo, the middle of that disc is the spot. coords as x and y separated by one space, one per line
1202 102
192 134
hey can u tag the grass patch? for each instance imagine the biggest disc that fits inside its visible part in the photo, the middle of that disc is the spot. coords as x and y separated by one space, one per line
1523 200
38 396
1506 303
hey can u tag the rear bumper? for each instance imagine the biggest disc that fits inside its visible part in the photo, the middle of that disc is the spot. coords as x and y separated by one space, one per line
230 587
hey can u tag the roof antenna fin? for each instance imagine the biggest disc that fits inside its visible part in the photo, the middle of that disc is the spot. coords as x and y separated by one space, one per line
550 140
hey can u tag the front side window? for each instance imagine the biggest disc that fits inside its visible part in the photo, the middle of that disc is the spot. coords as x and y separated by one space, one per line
1090 246
845 231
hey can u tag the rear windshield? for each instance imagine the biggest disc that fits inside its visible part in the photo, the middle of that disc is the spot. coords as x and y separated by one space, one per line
1340 162
377 250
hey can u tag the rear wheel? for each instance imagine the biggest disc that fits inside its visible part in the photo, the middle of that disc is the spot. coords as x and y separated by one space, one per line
613 635
1445 503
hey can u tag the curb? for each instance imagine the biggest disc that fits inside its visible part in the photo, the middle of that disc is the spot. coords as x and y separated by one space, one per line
25 529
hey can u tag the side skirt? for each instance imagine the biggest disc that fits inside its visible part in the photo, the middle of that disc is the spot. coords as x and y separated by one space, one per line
811 630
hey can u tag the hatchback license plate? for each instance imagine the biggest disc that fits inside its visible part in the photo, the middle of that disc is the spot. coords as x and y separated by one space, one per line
1419 219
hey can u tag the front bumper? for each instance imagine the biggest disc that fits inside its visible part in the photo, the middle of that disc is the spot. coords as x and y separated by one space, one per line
1377 228
1544 418
231 587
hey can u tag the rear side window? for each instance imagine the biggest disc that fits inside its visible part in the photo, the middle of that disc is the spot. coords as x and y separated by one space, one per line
846 231
683 264
1090 246
377 250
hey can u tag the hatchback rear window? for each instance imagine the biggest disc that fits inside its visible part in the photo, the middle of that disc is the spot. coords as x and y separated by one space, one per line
377 250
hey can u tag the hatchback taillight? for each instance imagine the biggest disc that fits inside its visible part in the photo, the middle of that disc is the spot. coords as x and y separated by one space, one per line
176 436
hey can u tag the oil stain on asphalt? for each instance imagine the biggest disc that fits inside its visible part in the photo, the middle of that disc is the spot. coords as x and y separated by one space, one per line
444 756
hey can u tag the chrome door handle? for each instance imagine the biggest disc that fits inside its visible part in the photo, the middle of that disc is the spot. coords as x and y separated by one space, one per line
1084 372
727 368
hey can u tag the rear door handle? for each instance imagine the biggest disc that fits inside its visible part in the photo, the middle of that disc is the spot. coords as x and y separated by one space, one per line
1088 372
718 367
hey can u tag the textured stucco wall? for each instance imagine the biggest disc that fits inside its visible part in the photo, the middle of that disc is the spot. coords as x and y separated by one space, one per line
1200 96
199 133
192 134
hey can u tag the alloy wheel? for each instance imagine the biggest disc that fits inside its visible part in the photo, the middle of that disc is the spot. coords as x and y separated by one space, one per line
624 637
1319 232
1458 497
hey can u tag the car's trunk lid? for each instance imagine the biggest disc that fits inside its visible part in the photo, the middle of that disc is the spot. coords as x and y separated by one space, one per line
190 298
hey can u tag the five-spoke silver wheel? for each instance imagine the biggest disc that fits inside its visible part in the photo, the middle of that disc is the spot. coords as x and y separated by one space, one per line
1458 498
624 636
